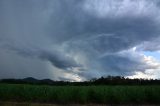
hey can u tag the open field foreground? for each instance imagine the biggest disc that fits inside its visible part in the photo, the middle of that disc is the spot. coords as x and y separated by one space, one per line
79 94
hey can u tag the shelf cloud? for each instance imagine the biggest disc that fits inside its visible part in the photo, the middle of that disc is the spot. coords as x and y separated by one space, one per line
78 40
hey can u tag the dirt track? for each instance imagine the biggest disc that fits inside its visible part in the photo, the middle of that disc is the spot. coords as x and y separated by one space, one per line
39 104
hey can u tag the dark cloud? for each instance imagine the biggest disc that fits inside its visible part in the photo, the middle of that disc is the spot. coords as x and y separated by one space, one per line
128 31
59 60
56 58
151 46
84 37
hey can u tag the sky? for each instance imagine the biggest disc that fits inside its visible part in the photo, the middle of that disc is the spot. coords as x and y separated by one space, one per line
77 40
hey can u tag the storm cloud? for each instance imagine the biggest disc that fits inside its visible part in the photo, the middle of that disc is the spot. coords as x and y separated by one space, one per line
78 40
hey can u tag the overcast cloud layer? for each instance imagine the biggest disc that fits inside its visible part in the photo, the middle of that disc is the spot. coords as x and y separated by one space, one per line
79 39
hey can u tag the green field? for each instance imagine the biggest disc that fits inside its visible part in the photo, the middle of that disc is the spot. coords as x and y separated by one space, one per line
80 94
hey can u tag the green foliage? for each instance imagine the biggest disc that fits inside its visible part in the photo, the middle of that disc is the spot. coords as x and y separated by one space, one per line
80 94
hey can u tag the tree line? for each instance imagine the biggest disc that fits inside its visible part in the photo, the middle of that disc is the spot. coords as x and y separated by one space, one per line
109 80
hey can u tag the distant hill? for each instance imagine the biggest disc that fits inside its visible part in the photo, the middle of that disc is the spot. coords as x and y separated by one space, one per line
30 79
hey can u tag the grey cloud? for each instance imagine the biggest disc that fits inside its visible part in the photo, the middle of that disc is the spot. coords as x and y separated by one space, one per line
78 25
56 58
150 45
74 33
13 65
59 60
23 31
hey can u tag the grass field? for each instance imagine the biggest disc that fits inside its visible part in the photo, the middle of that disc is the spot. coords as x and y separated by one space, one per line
80 94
